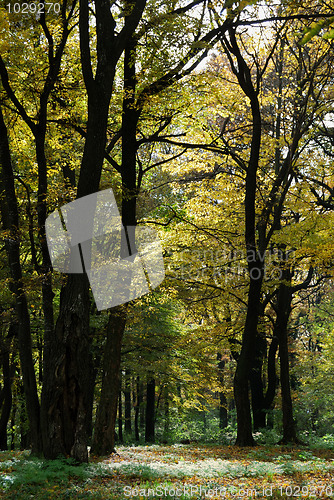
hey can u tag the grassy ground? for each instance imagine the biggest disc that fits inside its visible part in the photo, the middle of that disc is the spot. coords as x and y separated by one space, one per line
185 472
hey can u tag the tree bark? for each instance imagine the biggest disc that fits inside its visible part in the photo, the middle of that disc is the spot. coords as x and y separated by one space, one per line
127 402
25 439
261 402
272 379
256 384
258 411
255 263
7 398
281 330
166 412
150 412
10 221
106 415
222 397
120 417
244 365
68 376
139 401
104 430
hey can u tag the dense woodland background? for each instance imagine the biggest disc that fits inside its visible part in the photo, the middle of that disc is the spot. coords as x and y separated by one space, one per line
214 126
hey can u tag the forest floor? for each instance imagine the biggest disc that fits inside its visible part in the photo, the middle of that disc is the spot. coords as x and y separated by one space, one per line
185 472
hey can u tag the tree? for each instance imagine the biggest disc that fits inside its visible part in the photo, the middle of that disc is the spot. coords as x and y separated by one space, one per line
10 221
38 130
67 392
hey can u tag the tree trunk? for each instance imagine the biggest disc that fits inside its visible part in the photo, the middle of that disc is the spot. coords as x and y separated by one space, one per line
258 411
222 397
281 330
7 399
166 411
68 375
150 412
137 407
45 270
256 384
68 388
127 402
67 394
120 418
255 252
10 221
142 409
104 430
244 365
12 422
272 381
106 417
25 440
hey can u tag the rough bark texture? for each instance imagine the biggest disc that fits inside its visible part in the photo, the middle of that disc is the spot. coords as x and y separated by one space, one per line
104 430
262 402
67 388
45 269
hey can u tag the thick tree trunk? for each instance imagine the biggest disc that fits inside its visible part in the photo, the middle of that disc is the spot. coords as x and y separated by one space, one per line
104 430
68 376
289 426
258 410
67 390
150 412
241 398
